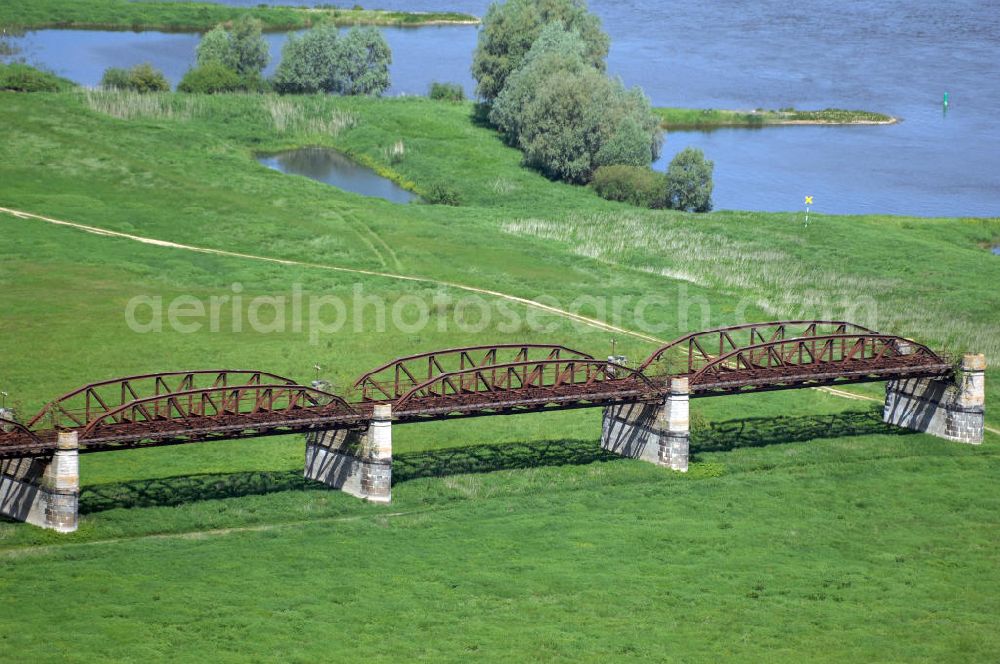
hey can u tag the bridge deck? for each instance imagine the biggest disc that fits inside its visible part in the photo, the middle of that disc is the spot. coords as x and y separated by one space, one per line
214 405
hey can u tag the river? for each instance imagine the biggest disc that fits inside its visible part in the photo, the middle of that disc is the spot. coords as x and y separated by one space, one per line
893 56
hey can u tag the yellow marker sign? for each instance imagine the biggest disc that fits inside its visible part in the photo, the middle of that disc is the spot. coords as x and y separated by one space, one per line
809 200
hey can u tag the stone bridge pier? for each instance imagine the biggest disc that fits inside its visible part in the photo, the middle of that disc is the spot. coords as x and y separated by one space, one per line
954 410
657 433
356 462
44 491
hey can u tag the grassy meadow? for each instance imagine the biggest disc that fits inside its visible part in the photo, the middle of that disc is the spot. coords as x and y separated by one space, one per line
184 16
806 529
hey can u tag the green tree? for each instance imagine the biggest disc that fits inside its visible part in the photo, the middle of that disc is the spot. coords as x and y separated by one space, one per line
580 121
216 47
556 51
509 30
689 181
321 60
363 60
242 49
249 46
568 117
308 62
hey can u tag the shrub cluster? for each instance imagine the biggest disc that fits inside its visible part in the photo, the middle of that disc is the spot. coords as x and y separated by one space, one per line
215 78
140 78
637 185
442 194
687 184
321 60
447 91
19 77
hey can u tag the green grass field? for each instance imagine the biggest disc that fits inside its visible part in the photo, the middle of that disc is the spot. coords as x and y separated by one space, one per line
805 529
167 15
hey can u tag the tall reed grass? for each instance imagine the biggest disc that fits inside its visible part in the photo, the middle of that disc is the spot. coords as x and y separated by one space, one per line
131 105
773 270
290 116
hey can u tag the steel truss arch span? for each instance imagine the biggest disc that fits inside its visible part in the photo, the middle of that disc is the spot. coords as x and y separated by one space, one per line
393 379
80 406
702 347
823 359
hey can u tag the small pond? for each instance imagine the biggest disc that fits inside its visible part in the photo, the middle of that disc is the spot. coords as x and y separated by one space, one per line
332 167
996 249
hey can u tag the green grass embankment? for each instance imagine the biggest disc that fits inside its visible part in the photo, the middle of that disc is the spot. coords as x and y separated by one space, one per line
198 16
693 118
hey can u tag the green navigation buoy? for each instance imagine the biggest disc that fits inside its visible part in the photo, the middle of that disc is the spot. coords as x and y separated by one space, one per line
946 99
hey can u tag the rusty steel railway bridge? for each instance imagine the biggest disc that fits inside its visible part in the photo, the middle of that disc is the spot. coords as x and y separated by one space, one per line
179 407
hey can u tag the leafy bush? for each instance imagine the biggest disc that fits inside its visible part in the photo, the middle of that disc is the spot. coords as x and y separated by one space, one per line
636 185
689 181
442 194
140 78
509 30
24 78
213 78
115 78
242 49
447 91
321 60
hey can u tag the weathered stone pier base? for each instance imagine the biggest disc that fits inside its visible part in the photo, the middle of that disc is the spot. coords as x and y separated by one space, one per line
356 462
951 410
44 491
657 433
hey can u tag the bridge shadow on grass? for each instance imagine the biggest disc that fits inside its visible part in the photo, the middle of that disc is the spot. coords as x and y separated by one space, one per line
172 491
713 437
761 431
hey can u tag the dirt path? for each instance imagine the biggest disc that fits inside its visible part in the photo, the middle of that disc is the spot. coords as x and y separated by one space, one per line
593 322
20 552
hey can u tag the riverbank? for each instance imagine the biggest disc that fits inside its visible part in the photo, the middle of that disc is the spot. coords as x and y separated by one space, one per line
693 118
199 16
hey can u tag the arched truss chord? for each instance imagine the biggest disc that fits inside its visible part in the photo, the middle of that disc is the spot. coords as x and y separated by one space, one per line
822 359
85 404
518 385
687 354
15 438
220 410
393 379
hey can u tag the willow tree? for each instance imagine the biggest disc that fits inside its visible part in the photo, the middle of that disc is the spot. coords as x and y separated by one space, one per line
509 30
